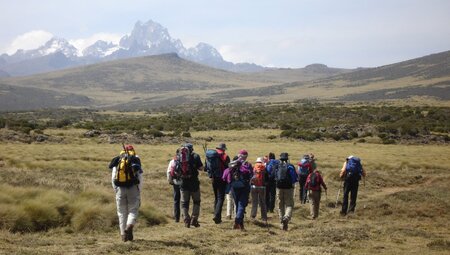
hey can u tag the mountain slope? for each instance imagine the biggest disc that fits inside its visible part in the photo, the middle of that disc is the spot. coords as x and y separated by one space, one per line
410 77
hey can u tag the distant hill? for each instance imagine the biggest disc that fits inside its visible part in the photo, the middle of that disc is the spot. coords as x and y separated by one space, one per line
146 82
424 76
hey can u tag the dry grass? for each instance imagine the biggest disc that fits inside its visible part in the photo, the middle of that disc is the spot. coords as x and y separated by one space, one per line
403 209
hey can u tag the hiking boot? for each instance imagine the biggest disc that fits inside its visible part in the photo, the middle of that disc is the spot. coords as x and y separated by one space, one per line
187 222
195 223
124 238
285 224
217 220
129 233
236 226
177 220
241 226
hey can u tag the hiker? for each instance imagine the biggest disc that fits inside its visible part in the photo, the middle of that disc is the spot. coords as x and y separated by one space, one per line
230 201
126 177
271 188
314 184
188 165
238 176
351 173
258 189
175 182
285 177
216 162
304 169
313 161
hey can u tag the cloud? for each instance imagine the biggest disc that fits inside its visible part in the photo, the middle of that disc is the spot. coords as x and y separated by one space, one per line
83 43
29 40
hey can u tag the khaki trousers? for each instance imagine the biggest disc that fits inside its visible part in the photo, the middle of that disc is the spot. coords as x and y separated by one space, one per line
285 203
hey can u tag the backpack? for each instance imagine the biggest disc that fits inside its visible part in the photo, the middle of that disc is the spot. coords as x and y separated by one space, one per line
182 167
126 174
313 180
304 167
353 169
214 165
237 179
259 173
283 177
271 169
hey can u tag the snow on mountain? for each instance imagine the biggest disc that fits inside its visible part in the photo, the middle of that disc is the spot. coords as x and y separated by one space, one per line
149 38
100 49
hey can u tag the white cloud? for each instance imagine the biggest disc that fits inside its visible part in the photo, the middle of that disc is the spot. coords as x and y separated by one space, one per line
83 43
30 40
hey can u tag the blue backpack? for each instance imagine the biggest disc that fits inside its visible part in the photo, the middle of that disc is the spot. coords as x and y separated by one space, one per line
304 167
213 164
353 169
271 168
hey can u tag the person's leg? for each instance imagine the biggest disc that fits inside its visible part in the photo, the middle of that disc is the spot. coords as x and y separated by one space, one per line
345 198
196 207
215 189
230 203
353 196
176 202
303 191
134 202
241 201
311 204
273 196
262 203
220 199
185 199
122 210
281 205
254 194
289 202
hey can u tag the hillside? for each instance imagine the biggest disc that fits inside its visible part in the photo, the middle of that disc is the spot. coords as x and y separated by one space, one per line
425 76
154 81
162 80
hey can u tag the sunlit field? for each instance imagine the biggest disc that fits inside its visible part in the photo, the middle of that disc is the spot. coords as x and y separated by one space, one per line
56 198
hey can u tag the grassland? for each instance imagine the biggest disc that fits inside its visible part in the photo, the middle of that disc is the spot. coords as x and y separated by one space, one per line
403 208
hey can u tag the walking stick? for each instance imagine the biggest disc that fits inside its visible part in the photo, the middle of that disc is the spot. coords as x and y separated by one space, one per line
365 193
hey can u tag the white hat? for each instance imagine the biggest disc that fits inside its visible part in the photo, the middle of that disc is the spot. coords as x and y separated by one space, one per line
259 160
351 156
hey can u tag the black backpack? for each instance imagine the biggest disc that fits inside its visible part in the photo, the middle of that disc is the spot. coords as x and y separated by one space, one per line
282 176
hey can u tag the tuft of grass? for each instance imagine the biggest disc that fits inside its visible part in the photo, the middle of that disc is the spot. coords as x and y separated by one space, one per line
151 216
90 217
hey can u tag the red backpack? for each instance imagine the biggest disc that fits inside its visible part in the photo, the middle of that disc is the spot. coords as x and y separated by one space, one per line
182 167
259 172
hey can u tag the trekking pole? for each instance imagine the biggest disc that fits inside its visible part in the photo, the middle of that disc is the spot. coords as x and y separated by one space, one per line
365 193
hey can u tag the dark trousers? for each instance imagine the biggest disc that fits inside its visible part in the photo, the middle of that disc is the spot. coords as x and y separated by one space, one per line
350 186
240 201
176 202
219 197
271 191
303 191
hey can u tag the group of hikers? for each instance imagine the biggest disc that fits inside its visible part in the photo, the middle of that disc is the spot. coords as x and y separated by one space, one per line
270 182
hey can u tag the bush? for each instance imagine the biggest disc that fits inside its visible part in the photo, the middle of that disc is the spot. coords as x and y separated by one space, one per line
186 134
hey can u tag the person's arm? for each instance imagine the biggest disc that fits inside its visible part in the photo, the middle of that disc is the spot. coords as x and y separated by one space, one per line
342 174
308 180
322 182
169 170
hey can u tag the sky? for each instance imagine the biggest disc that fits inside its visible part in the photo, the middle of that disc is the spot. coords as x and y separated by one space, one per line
277 33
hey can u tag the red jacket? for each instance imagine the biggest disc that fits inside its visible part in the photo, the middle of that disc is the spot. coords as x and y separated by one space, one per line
319 181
